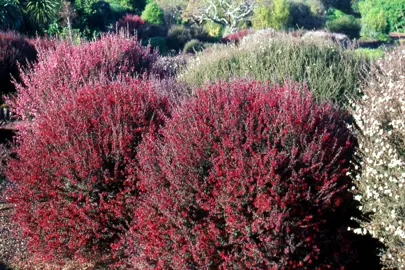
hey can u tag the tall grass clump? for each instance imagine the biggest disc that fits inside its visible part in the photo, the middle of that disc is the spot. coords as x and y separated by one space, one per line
245 175
329 71
380 116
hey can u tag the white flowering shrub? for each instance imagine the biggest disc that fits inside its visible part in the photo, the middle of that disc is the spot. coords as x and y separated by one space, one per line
380 116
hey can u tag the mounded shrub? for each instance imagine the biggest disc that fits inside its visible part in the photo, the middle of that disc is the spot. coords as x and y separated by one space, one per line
75 175
179 35
153 30
274 14
347 25
153 13
236 37
245 175
169 66
329 71
193 46
214 30
158 43
302 16
380 116
60 72
14 49
131 22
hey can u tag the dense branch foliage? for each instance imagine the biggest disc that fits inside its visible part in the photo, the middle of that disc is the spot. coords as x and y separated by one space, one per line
380 118
75 175
60 71
246 176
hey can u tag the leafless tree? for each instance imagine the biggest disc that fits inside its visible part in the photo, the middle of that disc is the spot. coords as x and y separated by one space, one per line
224 12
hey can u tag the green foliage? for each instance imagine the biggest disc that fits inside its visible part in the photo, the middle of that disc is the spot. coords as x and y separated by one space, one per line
179 35
63 33
302 16
126 3
118 10
193 46
395 12
330 72
10 14
95 16
160 43
346 24
343 5
153 14
375 22
334 13
214 29
379 17
84 6
42 12
372 54
101 15
172 10
275 14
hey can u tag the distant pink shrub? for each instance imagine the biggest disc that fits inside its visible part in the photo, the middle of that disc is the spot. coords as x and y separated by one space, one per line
132 23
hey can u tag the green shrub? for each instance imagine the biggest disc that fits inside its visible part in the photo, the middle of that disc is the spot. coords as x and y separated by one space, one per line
84 6
214 29
346 24
330 72
193 46
380 116
375 22
10 14
117 9
41 12
160 43
153 14
275 14
372 54
198 32
100 17
179 35
393 11
302 17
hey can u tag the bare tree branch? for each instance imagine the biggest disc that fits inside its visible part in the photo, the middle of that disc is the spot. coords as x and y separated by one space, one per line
224 12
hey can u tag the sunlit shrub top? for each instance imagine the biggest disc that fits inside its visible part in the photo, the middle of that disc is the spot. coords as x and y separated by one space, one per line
329 71
66 67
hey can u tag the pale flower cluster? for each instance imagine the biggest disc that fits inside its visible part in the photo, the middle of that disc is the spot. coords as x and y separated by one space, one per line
380 116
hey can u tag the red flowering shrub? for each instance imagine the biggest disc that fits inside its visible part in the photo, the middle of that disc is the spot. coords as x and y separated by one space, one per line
13 48
246 176
75 174
236 37
60 72
131 22
44 43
